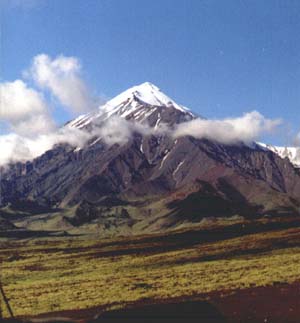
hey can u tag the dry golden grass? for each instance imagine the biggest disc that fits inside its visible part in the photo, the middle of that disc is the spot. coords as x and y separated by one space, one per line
44 275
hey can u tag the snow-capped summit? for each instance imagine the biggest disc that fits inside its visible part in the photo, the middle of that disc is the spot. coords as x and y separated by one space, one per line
142 103
147 93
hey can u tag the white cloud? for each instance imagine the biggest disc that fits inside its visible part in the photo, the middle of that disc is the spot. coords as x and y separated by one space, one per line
296 140
246 129
13 149
119 131
17 101
115 130
61 76
16 148
24 109
25 113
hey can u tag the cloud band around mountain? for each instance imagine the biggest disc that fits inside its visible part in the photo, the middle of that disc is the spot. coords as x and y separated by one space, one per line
33 129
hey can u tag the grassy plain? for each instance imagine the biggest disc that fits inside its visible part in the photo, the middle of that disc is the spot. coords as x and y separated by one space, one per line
44 275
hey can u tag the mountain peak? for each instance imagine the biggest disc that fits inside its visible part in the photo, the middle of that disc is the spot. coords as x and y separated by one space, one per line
140 102
147 85
147 93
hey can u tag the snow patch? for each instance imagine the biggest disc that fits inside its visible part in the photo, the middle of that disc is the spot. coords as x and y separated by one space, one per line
141 147
178 166
163 160
95 141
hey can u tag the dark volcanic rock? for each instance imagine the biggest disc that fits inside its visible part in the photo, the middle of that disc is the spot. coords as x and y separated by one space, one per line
195 178
6 225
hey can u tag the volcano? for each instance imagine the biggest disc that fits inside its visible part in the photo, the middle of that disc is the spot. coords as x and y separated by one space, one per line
150 181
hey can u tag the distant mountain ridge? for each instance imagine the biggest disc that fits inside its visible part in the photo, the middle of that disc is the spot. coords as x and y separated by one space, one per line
153 181
292 153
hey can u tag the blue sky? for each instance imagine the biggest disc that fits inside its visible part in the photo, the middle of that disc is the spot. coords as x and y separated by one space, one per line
220 58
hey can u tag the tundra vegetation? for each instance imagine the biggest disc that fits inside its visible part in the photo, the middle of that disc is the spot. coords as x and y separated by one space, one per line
66 273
